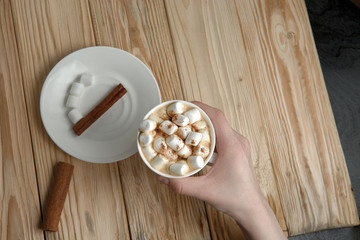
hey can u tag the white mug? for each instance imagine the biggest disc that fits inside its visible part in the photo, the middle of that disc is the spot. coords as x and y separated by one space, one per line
210 158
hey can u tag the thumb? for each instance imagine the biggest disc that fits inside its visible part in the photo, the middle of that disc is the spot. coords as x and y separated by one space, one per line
190 186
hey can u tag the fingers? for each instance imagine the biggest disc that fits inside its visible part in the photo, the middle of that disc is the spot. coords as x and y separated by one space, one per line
223 130
190 186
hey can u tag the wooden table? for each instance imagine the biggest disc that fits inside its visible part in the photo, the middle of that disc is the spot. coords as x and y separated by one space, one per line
255 60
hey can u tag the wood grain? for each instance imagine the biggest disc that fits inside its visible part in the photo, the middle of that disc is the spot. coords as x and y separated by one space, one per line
255 60
47 31
259 58
20 206
307 158
154 211
209 50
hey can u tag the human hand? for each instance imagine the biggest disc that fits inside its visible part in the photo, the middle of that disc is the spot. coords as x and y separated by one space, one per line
230 185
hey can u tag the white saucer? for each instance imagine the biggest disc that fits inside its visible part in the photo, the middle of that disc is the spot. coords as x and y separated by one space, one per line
113 136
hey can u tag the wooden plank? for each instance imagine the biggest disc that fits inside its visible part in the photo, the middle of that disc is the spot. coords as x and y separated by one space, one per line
304 146
256 65
20 206
154 211
47 31
212 62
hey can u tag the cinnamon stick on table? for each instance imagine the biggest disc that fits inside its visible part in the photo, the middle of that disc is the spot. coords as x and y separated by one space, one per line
57 196
99 110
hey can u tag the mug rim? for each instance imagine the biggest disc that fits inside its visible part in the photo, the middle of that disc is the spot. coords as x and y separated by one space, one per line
212 142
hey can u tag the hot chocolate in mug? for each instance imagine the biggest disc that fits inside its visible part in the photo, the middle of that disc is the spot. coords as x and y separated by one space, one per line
176 139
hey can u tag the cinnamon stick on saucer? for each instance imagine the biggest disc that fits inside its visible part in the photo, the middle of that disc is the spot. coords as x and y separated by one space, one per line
99 110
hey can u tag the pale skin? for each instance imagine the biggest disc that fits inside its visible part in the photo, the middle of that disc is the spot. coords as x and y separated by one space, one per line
234 188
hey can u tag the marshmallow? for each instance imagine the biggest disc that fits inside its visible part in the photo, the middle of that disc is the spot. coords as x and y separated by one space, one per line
147 125
87 79
169 165
75 115
184 131
175 108
170 154
159 162
76 89
205 135
180 120
149 152
194 115
145 139
193 138
185 152
199 125
201 150
72 101
156 118
195 162
175 142
168 127
179 168
160 145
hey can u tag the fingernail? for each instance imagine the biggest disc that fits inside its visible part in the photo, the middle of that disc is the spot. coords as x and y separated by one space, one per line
164 180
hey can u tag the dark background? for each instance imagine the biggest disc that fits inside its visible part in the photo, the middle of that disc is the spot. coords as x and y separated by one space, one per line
336 28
